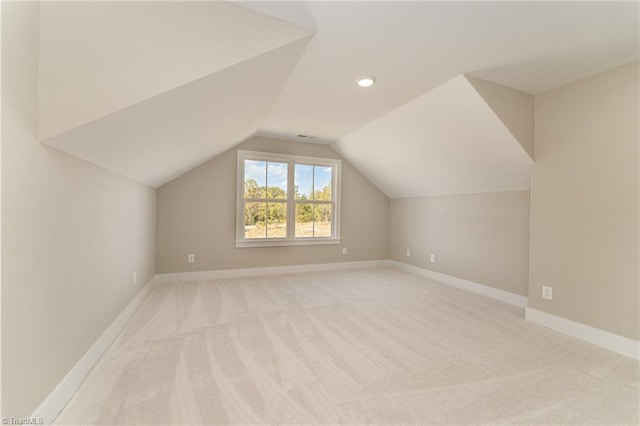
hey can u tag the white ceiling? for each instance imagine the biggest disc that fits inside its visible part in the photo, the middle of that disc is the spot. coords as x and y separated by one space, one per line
152 89
97 58
412 47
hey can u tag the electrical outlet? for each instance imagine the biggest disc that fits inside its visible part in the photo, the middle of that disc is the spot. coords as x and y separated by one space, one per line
433 258
547 292
135 277
408 252
344 250
191 258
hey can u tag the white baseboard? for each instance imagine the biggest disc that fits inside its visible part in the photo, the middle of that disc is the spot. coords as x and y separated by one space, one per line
62 393
613 342
473 287
270 270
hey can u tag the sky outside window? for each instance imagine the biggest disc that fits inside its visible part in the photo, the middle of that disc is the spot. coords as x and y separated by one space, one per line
311 178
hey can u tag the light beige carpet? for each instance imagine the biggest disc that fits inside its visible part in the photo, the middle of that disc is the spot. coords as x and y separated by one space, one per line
369 346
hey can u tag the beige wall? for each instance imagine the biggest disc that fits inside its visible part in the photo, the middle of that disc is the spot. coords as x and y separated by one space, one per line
483 237
197 214
72 236
584 201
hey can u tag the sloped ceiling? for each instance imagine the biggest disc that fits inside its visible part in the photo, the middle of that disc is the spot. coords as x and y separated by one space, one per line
447 141
158 139
152 89
97 58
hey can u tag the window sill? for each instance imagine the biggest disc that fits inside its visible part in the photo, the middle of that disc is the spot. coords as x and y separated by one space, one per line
282 242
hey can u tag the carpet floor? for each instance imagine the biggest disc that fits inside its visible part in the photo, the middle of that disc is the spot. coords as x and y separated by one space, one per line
366 346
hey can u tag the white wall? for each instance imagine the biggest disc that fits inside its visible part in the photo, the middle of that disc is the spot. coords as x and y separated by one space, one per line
72 235
585 215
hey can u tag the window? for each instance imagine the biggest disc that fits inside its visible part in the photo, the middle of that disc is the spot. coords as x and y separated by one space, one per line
287 200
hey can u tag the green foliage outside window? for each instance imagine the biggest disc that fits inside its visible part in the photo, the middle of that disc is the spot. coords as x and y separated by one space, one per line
255 213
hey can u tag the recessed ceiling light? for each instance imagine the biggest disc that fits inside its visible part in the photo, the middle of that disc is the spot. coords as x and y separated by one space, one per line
366 81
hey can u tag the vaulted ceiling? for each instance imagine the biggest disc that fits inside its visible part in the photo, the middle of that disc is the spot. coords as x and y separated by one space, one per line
153 89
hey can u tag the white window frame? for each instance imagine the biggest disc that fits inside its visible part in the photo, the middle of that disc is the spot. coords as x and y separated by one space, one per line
291 161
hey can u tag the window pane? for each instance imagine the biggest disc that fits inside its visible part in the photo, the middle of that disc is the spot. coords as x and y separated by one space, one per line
255 220
303 182
255 175
313 220
304 220
277 220
322 224
277 180
322 183
287 200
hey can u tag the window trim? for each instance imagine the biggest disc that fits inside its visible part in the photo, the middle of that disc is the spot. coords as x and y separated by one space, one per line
291 160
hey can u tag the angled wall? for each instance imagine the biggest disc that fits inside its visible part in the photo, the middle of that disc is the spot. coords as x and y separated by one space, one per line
72 236
514 108
456 163
196 214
